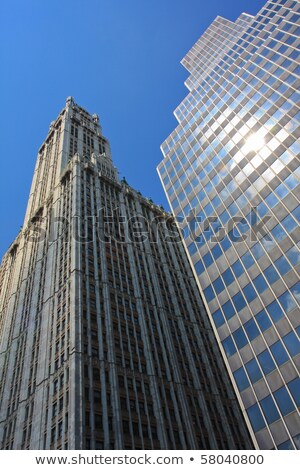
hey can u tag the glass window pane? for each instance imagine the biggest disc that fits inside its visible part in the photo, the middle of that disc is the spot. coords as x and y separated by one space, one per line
287 445
263 320
249 292
229 346
218 318
284 401
199 267
294 387
241 379
287 302
237 268
279 353
239 301
253 370
266 362
260 284
292 343
218 285
240 338
251 329
209 293
269 409
256 418
228 309
275 311
228 277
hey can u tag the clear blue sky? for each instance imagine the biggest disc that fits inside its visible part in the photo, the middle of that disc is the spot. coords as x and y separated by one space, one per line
118 58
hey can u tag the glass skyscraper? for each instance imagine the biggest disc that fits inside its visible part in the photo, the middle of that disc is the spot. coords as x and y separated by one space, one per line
231 172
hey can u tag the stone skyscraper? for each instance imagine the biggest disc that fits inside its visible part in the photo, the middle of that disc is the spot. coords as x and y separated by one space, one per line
231 175
104 340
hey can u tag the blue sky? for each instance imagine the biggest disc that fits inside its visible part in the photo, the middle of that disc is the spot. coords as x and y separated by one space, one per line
118 58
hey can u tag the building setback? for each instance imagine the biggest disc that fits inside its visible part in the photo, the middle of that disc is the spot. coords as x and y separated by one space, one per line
105 343
231 174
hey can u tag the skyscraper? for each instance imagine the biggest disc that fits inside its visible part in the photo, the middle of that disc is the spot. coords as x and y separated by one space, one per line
105 343
231 175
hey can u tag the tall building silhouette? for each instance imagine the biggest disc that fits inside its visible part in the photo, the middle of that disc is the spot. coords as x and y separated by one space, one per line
105 343
231 174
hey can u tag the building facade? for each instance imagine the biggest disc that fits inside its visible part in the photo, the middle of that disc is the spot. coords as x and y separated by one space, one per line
105 343
231 173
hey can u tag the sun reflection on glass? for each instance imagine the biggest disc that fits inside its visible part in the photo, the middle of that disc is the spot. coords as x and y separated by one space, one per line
254 143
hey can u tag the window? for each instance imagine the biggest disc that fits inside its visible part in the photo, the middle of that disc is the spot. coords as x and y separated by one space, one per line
228 310
269 409
263 320
286 445
239 301
256 418
294 388
275 311
229 346
292 343
251 329
228 277
249 292
260 284
266 362
253 370
240 338
218 285
284 401
241 379
209 293
218 318
279 353
237 268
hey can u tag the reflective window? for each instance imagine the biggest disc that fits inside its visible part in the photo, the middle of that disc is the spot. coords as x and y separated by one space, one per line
271 274
266 362
229 346
218 285
263 320
240 338
251 329
269 409
209 293
249 292
237 268
294 387
228 309
256 418
241 379
278 233
253 370
218 318
289 223
284 401
239 301
275 311
297 441
207 259
286 445
260 283
287 301
279 353
228 277
292 343
293 254
192 249
199 267
216 252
